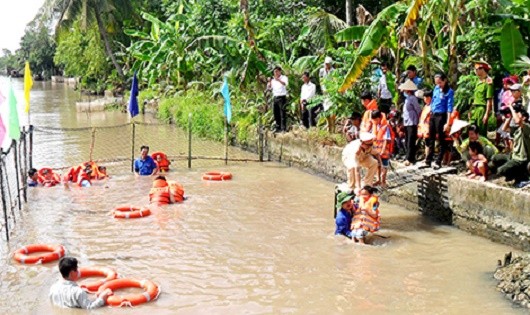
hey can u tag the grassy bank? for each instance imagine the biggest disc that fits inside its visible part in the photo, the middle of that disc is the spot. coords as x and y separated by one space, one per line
206 109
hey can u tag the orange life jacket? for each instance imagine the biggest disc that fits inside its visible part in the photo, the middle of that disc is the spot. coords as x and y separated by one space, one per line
379 131
163 163
72 174
53 180
361 220
366 121
177 191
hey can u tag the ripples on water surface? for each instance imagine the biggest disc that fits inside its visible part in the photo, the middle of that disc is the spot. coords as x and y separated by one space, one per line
259 244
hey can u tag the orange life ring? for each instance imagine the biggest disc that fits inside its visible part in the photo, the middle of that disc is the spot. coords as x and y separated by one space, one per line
151 292
130 212
55 252
217 176
93 286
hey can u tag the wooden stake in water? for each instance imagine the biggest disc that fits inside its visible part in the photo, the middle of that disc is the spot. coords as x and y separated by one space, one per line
4 205
92 143
226 141
132 145
189 140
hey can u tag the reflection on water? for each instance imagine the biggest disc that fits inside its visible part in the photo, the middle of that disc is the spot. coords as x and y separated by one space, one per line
259 244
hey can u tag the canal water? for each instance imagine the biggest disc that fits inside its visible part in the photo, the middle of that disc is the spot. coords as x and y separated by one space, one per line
261 243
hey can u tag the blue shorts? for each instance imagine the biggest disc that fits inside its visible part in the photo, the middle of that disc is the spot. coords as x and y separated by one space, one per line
385 162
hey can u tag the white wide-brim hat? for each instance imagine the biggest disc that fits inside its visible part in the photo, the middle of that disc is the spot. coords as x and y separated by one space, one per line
458 125
408 86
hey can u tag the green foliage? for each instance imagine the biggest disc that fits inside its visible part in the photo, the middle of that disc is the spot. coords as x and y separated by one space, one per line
207 116
38 47
81 54
464 93
374 37
512 45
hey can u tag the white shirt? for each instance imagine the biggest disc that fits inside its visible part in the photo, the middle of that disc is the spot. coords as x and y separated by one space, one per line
349 154
65 293
324 72
309 90
385 93
279 89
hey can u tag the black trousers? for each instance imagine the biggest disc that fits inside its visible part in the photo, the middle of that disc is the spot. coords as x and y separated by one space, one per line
511 169
309 115
436 129
279 110
384 105
411 133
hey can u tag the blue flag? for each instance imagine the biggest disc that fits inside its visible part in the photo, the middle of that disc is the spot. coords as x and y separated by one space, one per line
133 100
226 96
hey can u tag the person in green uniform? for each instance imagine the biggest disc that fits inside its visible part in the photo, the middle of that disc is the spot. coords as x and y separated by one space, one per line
482 108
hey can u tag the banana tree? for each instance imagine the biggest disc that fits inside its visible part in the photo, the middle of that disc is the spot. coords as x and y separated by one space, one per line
161 54
374 38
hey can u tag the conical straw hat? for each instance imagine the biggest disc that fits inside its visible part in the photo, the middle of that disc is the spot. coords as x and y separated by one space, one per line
458 125
408 86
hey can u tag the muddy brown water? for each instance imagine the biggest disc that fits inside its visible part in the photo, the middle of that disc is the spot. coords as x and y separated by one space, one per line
261 243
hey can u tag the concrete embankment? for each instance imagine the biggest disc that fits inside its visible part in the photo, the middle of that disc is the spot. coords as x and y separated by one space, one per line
498 213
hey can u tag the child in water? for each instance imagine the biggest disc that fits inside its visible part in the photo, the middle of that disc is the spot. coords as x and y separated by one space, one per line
33 178
366 216
478 163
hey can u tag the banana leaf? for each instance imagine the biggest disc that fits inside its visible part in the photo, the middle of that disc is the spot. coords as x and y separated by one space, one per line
350 34
414 12
373 39
512 45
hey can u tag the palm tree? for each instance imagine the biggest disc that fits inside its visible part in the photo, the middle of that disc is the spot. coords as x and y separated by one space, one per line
105 13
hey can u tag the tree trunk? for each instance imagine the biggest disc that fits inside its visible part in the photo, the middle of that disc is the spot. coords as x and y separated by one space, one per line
105 38
349 12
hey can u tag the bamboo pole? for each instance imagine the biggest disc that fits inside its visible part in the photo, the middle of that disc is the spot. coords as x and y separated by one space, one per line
30 146
189 140
17 174
226 141
132 145
4 205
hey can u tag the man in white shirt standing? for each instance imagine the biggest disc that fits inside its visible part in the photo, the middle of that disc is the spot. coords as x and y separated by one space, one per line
278 84
66 293
324 72
309 90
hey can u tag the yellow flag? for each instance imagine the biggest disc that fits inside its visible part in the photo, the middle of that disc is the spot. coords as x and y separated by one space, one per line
28 83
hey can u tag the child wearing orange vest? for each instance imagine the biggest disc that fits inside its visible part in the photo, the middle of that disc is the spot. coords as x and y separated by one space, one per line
383 144
366 217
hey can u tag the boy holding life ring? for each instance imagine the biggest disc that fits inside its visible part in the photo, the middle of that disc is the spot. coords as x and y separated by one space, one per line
67 293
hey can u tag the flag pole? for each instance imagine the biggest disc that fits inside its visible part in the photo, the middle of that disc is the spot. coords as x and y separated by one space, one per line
226 141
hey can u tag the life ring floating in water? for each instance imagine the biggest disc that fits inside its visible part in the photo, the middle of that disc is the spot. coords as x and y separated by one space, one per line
54 252
151 292
130 212
93 286
217 176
